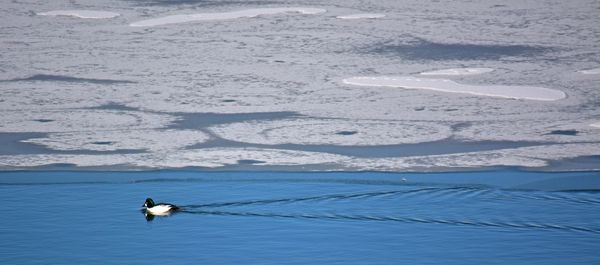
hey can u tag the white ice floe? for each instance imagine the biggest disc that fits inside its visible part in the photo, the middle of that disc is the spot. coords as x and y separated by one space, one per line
332 131
80 120
444 85
594 71
218 157
536 156
150 140
459 71
361 16
248 13
595 125
211 158
80 13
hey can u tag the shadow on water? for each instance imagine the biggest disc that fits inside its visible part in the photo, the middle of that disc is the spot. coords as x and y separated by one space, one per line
150 217
563 132
427 50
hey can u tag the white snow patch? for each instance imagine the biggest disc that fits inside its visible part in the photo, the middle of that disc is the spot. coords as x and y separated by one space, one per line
594 71
248 13
444 85
361 16
80 13
595 125
151 140
332 131
459 71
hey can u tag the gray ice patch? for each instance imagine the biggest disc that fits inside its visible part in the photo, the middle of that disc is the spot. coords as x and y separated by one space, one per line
69 79
427 50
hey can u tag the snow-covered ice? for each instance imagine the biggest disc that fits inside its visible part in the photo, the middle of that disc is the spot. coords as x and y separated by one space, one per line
459 71
561 131
112 140
78 120
268 91
361 16
332 132
444 85
218 157
535 156
247 13
80 13
210 158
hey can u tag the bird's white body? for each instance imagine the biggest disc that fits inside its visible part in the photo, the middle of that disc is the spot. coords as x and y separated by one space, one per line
160 209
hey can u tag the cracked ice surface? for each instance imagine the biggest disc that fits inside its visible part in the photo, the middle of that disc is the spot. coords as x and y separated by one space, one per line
330 131
78 79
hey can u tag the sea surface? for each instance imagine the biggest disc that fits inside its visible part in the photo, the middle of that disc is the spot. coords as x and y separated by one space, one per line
486 217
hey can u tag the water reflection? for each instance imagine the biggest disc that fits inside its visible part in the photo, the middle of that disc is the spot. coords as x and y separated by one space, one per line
150 217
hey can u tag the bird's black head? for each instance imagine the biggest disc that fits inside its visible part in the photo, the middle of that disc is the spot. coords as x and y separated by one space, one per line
149 203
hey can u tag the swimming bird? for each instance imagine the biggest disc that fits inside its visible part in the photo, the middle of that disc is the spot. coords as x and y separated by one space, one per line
159 208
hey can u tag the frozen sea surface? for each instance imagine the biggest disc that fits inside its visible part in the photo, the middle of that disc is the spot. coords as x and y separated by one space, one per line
509 217
260 85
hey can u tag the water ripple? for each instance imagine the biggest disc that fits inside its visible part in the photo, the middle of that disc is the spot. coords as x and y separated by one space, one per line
437 193
404 219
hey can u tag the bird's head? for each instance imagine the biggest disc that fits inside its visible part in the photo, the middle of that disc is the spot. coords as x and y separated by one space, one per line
149 203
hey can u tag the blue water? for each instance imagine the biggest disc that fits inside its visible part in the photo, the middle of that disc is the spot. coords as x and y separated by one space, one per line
298 218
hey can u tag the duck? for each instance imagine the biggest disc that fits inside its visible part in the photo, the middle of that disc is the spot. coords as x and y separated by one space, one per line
160 209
